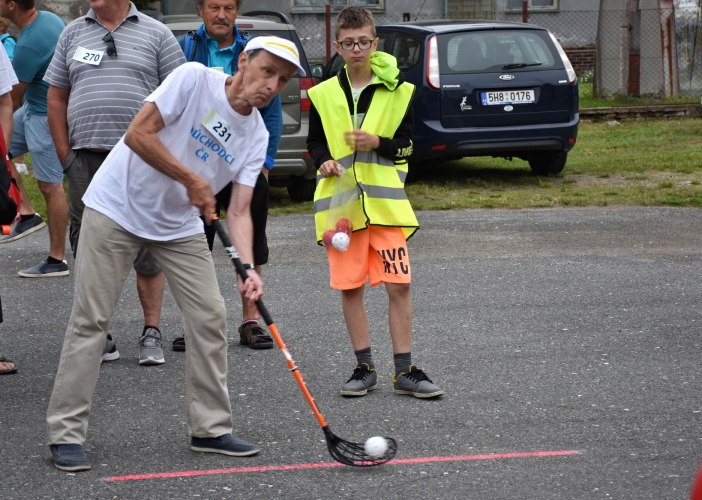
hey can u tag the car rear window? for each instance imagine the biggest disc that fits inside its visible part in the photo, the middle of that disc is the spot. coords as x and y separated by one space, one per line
497 51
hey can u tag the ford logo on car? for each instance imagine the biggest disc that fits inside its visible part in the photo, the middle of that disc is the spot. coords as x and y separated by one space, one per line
506 77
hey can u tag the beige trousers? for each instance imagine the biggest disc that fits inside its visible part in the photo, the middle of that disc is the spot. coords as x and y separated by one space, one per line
106 252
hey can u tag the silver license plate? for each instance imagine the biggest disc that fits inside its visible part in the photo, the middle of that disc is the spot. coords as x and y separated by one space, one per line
502 97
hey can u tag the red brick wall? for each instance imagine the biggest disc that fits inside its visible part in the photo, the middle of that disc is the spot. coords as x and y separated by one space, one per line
582 58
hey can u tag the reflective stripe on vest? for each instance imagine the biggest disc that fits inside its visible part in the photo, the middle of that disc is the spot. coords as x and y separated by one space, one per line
380 181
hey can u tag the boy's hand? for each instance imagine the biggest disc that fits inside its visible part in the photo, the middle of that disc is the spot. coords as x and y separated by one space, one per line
358 140
330 167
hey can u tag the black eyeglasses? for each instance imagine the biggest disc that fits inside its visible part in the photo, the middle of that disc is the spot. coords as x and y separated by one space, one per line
111 47
350 45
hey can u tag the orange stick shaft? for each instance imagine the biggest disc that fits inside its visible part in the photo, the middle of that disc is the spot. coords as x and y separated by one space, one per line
297 374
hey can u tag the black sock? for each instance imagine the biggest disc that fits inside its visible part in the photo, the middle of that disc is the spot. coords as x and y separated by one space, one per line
51 260
403 361
25 218
364 356
149 326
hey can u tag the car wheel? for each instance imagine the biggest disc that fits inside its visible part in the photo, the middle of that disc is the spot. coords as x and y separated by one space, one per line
301 189
548 162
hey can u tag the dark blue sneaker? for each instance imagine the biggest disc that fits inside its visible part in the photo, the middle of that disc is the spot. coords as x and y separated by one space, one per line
225 444
69 457
22 229
45 270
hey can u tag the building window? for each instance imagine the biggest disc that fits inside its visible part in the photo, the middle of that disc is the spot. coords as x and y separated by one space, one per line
533 4
317 6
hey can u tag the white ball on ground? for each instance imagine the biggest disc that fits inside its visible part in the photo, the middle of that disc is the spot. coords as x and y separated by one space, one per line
376 446
341 241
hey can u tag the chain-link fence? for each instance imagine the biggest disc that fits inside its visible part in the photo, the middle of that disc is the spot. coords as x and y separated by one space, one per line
572 28
648 52
472 9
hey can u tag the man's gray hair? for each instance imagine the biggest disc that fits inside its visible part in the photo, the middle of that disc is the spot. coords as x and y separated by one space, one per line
199 4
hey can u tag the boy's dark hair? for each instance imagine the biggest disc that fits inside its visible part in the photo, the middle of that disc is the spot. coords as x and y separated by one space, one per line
25 4
354 18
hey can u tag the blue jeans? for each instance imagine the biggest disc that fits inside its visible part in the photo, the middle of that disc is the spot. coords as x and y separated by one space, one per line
31 135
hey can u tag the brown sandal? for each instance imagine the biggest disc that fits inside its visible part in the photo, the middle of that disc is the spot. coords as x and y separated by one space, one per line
253 336
11 370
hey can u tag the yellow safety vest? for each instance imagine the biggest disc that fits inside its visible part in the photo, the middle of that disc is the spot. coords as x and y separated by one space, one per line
380 181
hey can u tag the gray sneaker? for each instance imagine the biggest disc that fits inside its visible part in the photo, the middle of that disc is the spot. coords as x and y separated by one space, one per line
415 383
150 351
22 229
364 379
109 351
45 270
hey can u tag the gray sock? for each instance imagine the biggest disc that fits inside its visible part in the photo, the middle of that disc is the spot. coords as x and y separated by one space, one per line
403 361
364 356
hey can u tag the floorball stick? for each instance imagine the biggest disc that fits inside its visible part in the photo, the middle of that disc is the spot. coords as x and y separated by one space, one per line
341 450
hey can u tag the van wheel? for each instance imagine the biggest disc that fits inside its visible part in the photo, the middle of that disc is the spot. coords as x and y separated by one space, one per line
548 162
301 189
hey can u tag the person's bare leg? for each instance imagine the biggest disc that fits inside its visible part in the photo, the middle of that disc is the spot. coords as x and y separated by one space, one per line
150 290
57 210
400 315
356 317
250 312
26 207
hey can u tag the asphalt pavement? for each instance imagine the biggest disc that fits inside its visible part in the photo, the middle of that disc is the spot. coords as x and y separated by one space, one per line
567 341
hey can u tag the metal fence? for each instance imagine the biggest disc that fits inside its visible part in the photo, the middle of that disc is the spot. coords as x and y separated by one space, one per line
572 28
648 52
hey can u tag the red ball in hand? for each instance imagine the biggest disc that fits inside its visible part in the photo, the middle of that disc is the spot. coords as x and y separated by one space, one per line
327 238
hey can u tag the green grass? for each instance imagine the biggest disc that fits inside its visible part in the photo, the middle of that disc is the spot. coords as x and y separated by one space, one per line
588 100
646 162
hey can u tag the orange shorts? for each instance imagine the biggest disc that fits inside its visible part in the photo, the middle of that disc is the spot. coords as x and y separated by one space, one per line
378 253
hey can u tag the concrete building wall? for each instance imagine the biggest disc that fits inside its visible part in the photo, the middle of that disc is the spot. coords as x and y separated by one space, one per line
68 10
613 49
392 7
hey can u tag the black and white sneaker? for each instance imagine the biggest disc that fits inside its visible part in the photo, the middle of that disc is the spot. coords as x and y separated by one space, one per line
150 350
415 383
363 379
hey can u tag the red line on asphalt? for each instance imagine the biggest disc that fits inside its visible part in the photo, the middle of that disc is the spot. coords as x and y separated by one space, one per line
325 465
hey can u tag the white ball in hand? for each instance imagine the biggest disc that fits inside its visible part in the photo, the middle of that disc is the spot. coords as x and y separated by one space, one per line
376 446
341 241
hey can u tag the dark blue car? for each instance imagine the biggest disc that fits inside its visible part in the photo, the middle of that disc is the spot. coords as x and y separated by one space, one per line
485 88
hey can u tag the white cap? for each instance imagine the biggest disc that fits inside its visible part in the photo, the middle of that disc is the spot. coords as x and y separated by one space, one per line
285 49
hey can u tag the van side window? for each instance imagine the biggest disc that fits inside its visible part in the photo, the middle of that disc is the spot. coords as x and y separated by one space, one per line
385 42
406 50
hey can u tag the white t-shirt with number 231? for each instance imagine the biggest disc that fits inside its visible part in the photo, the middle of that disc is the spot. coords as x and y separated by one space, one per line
204 133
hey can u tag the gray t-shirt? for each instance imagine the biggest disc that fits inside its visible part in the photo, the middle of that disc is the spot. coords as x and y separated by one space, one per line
105 98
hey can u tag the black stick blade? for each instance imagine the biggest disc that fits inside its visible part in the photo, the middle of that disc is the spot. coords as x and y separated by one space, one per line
354 454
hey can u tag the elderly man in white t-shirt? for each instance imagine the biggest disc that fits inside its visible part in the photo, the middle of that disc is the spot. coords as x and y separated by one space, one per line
144 194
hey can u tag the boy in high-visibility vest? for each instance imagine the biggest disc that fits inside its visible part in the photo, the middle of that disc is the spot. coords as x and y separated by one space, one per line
362 119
